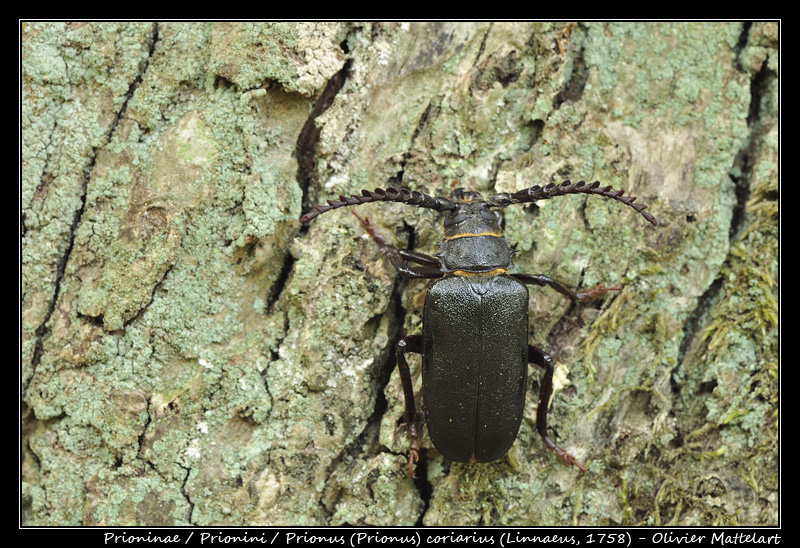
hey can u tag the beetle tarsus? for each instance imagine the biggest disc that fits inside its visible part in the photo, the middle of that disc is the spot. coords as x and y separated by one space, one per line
597 291
413 451
563 455
372 230
413 457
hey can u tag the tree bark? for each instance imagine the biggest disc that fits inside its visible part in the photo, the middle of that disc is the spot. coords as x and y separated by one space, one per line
191 354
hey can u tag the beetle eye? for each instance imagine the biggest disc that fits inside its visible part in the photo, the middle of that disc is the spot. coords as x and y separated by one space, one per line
488 215
500 217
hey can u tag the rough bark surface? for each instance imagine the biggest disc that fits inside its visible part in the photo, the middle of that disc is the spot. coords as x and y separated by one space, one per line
192 355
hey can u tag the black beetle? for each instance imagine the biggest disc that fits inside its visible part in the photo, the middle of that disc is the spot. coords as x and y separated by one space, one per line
474 340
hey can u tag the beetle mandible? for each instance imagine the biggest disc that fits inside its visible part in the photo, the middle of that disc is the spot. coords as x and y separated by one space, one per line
474 340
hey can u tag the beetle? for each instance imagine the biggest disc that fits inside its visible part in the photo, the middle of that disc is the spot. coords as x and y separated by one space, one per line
474 340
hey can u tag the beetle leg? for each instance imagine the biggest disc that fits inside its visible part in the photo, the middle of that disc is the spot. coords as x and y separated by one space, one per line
580 296
542 359
412 343
596 291
420 258
431 266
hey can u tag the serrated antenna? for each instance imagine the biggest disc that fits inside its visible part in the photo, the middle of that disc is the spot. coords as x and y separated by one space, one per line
536 193
403 195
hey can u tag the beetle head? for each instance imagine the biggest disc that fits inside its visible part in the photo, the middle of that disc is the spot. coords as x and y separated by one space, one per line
471 215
